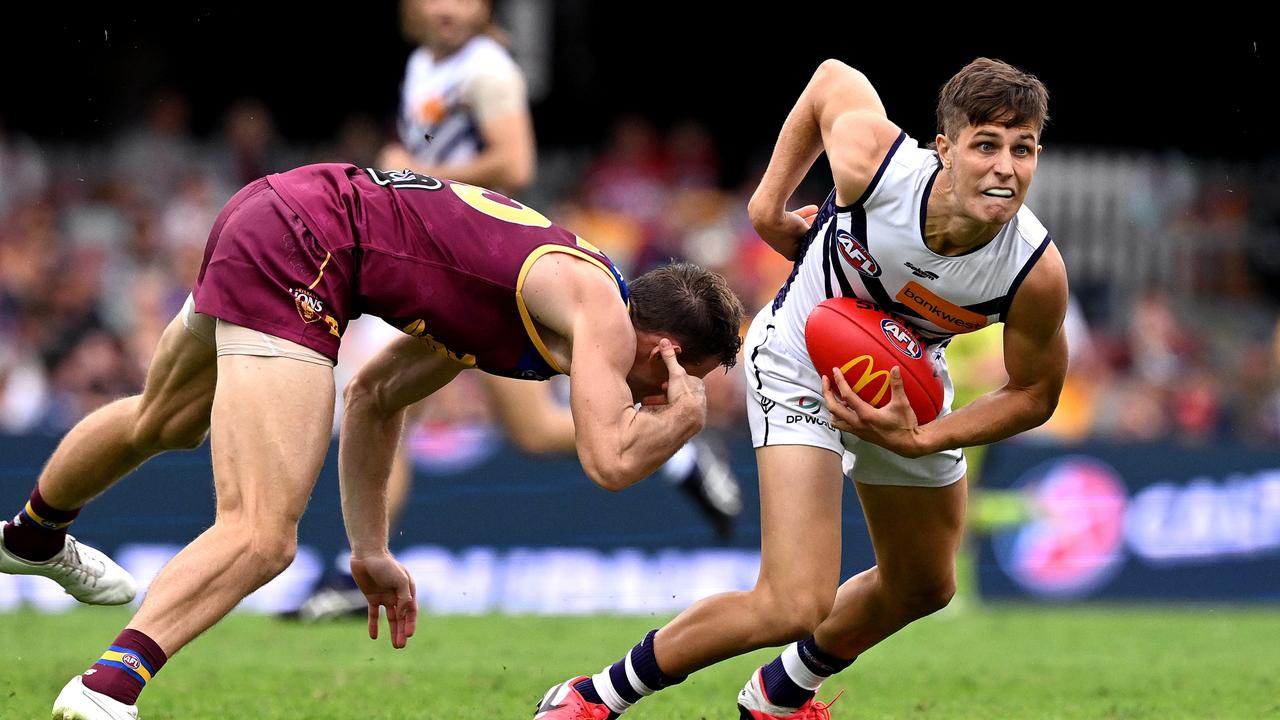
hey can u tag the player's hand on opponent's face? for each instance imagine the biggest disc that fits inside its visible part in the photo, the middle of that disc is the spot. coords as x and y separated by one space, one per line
387 584
892 427
783 231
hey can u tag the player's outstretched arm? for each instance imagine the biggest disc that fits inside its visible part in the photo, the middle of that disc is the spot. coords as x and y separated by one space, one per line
839 111
404 372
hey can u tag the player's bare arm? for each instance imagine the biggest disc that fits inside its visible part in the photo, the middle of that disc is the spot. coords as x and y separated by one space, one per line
617 444
404 372
1035 358
839 111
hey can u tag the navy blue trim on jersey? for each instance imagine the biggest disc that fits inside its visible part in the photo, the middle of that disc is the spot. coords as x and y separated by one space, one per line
875 179
759 382
1022 275
469 131
988 307
924 219
924 204
833 254
824 214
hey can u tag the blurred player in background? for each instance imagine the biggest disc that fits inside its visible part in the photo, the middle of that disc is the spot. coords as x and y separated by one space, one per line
464 115
473 278
941 238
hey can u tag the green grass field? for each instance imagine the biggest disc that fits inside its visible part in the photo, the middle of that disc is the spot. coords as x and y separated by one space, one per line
992 663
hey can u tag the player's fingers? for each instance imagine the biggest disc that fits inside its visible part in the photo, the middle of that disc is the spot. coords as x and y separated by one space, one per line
828 394
668 352
850 397
899 394
395 618
373 620
841 416
808 213
404 610
411 619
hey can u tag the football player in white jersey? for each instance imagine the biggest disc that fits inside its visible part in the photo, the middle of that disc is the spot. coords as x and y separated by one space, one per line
942 238
464 114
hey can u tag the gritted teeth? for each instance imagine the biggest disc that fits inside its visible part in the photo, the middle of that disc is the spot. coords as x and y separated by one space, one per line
999 192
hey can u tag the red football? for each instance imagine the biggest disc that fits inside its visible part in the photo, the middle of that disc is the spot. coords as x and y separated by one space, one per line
864 342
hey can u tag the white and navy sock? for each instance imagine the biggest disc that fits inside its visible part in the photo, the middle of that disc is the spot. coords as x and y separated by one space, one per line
793 678
622 684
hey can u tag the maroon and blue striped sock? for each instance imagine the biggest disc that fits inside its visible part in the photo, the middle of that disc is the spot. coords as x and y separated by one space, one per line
39 531
793 678
623 683
126 667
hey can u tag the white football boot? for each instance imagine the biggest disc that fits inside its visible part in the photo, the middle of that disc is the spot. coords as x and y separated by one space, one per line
86 574
77 702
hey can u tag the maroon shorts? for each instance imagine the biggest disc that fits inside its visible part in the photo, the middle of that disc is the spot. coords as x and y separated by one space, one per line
264 270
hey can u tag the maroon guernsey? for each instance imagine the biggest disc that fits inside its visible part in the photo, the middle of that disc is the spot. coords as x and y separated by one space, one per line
301 253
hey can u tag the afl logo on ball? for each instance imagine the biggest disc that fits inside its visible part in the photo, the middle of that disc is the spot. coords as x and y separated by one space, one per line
900 338
856 255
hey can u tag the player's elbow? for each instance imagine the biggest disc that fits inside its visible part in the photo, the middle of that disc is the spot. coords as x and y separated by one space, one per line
1043 405
613 476
833 70
830 66
1048 405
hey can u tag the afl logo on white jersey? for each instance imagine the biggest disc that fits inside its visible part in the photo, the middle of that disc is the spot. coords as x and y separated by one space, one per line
856 255
900 338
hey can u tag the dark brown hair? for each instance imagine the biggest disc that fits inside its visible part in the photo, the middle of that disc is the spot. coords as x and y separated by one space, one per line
991 91
695 306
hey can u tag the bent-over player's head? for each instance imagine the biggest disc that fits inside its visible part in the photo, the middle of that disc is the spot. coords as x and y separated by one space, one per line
693 308
990 115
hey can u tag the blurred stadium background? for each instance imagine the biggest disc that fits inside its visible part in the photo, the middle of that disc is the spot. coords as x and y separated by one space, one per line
122 132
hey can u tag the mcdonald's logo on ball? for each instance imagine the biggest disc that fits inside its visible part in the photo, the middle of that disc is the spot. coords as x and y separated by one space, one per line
864 343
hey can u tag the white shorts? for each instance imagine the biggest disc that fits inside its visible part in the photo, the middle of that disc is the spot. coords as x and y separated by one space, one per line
789 409
231 339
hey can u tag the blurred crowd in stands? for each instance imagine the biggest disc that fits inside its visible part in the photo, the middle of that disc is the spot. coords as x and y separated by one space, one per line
99 245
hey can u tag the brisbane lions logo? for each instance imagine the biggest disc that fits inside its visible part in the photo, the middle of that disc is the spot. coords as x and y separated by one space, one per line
856 255
310 307
901 338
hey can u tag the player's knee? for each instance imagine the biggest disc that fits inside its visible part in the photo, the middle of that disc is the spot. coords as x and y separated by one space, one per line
273 551
187 437
158 431
927 597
